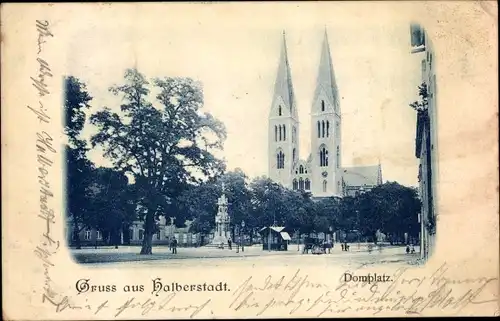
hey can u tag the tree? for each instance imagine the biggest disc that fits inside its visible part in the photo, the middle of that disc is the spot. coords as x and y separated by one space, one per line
110 203
78 167
164 145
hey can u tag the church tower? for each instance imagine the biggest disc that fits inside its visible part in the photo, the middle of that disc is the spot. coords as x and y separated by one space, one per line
326 125
283 124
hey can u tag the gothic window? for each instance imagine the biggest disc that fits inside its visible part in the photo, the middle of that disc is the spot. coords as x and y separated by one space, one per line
338 157
319 130
294 155
322 105
323 127
323 157
301 184
284 132
88 235
338 187
294 134
280 160
280 131
324 186
327 128
301 169
279 110
275 133
308 184
295 185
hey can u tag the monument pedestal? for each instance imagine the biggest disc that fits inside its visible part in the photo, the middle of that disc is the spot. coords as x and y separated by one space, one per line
222 222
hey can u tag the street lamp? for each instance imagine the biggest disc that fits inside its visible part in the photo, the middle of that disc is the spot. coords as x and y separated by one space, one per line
241 240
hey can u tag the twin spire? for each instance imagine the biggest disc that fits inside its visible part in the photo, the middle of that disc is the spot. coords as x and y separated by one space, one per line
325 81
283 86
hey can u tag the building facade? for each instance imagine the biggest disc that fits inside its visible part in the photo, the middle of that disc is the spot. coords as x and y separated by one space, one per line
321 173
134 235
426 141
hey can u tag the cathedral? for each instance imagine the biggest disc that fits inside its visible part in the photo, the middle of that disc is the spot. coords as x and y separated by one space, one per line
321 173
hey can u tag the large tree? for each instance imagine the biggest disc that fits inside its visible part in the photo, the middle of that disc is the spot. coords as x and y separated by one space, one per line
78 166
164 143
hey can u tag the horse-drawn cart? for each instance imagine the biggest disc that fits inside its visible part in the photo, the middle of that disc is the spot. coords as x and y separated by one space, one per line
315 245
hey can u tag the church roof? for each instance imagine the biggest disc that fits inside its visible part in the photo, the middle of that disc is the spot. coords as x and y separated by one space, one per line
362 175
283 86
326 76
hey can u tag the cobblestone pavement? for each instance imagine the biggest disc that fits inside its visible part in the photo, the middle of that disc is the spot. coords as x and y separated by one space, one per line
128 256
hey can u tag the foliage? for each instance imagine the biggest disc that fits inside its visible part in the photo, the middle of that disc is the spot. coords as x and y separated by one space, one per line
78 166
163 146
421 105
111 203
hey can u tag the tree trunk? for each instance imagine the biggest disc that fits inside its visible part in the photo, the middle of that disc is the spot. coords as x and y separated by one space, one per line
76 234
147 242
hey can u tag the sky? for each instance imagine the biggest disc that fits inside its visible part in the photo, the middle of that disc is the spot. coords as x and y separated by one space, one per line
376 75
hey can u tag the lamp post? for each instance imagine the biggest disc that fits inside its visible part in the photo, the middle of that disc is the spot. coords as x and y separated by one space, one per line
242 234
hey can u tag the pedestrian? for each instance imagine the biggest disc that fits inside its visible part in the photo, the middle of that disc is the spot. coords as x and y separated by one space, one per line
407 249
342 244
412 249
174 246
229 242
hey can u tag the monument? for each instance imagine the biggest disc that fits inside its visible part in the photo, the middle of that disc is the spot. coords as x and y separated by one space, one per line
222 221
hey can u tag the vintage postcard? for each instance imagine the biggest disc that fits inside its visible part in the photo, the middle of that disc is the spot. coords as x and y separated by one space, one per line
249 160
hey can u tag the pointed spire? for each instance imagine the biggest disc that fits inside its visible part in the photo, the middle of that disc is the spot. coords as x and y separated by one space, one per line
283 86
326 75
379 176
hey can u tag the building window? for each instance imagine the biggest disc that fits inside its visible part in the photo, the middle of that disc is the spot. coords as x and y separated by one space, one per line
88 235
294 155
301 169
338 157
294 134
284 132
275 133
279 131
308 184
327 128
141 234
338 187
280 160
295 184
324 186
319 130
98 235
158 235
279 110
322 105
131 234
301 184
323 126
323 157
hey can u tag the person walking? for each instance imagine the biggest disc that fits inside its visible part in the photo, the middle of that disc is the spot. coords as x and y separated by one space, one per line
174 246
229 243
